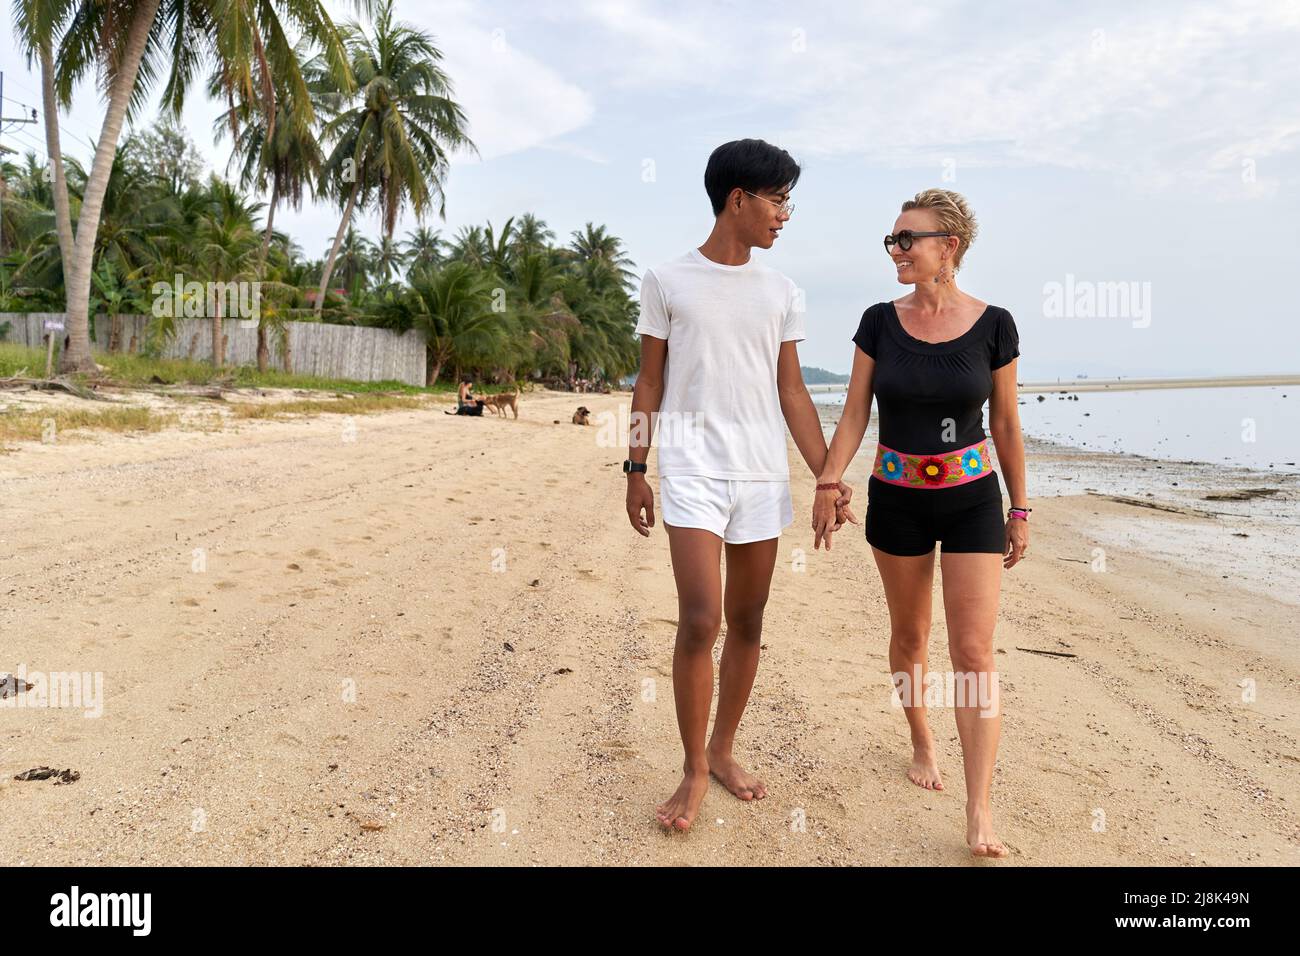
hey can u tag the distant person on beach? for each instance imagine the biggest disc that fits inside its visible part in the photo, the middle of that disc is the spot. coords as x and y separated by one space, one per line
466 403
932 359
723 403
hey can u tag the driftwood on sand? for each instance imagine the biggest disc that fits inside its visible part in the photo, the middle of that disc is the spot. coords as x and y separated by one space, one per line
53 385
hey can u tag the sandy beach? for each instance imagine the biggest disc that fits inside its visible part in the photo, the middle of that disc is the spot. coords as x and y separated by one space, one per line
437 640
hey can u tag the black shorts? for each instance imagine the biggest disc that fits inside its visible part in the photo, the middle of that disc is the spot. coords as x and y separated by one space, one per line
908 521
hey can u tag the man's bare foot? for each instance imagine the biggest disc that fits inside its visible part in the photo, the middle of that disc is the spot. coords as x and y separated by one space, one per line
979 833
924 771
734 777
678 811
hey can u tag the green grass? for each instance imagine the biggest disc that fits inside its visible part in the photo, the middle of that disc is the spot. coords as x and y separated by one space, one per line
35 425
136 370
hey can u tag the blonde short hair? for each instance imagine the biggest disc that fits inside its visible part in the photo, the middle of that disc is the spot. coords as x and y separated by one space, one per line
953 214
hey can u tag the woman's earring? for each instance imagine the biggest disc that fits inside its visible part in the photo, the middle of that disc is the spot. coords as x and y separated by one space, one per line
942 275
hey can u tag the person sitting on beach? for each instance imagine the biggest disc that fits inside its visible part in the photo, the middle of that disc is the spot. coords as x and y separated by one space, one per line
466 403
931 359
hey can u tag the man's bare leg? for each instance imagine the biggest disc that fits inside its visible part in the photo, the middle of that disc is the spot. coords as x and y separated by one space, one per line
697 558
749 578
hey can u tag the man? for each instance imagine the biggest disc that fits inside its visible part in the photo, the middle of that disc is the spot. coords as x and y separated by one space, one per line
720 372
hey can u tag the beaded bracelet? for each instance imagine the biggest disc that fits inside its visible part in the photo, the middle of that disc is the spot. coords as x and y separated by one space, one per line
828 486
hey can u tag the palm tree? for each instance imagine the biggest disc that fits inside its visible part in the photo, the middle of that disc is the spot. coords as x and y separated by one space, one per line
470 246
355 257
128 45
36 25
278 148
31 238
531 234
225 249
391 140
423 248
116 291
389 259
452 308
133 217
602 259
500 257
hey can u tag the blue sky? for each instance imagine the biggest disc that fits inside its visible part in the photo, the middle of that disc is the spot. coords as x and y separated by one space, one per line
1153 144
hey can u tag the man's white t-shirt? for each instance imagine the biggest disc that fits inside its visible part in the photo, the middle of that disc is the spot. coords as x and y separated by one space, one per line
721 413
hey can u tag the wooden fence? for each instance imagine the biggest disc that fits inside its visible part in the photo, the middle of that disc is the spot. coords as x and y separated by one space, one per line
350 352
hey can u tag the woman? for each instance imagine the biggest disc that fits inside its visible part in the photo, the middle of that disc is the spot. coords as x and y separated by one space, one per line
466 403
931 359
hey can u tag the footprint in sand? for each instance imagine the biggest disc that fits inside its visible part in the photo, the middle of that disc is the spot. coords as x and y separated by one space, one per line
619 750
190 602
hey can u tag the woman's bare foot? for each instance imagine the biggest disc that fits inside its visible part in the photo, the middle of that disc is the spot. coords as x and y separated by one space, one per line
924 771
734 777
678 811
979 833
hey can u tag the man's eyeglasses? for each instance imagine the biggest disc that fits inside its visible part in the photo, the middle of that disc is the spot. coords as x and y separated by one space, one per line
786 207
904 239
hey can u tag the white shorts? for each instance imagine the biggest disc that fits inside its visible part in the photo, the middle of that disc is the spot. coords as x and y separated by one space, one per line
736 511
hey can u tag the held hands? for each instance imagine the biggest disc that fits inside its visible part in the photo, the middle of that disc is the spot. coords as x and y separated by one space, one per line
830 513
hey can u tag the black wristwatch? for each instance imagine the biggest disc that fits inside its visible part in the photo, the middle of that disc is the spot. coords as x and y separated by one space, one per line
630 466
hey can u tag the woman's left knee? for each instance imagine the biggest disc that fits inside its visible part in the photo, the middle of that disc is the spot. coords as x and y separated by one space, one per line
971 653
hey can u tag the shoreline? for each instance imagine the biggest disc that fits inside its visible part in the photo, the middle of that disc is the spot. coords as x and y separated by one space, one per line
1126 384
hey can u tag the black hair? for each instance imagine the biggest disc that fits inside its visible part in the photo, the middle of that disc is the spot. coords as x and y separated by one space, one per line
750 164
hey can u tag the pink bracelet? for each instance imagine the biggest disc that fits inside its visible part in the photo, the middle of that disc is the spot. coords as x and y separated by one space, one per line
1021 513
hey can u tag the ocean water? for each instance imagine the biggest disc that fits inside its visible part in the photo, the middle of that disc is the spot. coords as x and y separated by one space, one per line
1225 458
1256 428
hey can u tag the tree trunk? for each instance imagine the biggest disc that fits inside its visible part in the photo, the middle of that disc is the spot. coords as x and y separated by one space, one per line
263 353
435 368
266 236
338 241
54 150
76 279
284 349
268 88
218 343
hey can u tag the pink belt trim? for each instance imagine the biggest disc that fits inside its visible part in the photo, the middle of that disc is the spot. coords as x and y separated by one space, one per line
944 470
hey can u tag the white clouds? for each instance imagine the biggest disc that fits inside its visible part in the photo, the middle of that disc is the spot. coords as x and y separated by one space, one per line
1162 94
513 100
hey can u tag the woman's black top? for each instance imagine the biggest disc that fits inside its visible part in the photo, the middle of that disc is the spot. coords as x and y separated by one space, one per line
931 395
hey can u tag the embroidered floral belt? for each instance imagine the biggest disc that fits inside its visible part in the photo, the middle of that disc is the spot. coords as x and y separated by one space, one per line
933 471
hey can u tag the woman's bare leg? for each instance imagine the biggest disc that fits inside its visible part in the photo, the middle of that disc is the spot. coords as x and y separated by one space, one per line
971 583
909 584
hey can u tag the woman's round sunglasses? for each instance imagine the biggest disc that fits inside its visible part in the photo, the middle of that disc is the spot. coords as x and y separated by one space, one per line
904 239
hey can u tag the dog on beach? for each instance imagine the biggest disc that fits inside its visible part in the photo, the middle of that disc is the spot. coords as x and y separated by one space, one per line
501 401
580 417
